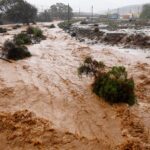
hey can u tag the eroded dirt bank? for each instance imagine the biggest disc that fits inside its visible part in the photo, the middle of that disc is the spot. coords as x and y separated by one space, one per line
45 105
126 37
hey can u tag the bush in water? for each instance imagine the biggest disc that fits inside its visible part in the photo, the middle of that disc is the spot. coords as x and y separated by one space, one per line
52 26
3 30
113 85
15 52
22 39
36 32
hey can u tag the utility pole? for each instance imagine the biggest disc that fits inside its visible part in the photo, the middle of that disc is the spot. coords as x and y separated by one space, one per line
138 11
68 13
92 13
79 13
108 14
118 13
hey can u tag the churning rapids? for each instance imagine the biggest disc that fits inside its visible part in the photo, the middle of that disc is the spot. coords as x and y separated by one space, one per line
44 104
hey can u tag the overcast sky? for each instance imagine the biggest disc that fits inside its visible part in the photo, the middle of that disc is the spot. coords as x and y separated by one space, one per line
85 5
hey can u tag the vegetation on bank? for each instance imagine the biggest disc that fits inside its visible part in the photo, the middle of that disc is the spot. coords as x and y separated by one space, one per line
113 85
65 25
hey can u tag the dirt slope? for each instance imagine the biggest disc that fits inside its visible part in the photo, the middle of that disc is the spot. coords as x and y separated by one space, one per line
45 105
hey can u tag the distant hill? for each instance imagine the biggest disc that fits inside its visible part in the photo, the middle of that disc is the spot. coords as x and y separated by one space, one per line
128 9
135 9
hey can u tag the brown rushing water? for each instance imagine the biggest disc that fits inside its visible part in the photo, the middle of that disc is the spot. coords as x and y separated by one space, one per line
55 109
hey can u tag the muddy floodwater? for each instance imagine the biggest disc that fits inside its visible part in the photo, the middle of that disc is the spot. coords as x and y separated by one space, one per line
45 105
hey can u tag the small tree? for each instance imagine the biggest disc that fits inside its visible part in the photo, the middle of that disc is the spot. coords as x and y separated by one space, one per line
146 12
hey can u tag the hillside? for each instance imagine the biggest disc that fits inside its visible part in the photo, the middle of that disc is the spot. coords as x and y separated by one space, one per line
136 9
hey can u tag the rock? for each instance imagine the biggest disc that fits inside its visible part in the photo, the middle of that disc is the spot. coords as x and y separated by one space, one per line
81 40
148 57
73 34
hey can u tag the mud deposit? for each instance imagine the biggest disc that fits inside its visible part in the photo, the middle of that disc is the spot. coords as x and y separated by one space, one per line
45 105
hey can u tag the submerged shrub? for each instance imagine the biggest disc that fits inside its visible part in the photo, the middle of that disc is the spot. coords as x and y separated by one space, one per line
8 45
3 30
32 35
30 30
35 31
65 25
52 26
22 39
114 90
90 67
96 30
114 85
17 26
19 52
15 52
38 33
112 25
84 22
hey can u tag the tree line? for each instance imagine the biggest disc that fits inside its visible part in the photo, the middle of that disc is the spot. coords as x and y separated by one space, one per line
20 11
57 11
146 12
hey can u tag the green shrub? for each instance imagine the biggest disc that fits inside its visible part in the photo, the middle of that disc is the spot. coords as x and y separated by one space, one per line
36 32
30 30
22 39
8 45
32 35
118 72
14 52
90 67
52 26
112 25
3 30
66 25
113 89
96 30
114 85
17 26
83 22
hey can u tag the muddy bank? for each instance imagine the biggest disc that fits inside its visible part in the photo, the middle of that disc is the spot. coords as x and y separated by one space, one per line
112 38
23 130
